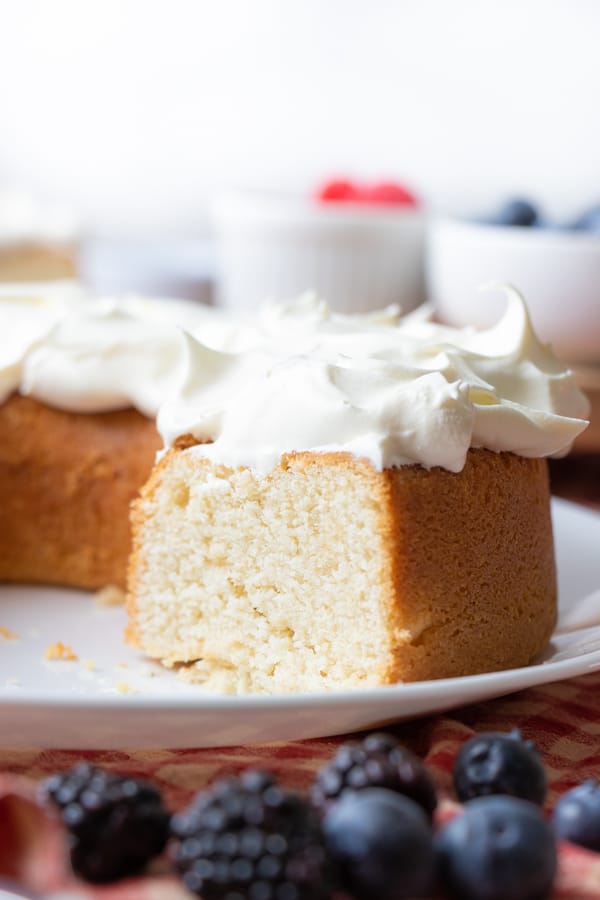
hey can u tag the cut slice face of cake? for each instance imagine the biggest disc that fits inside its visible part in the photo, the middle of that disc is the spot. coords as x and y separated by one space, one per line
353 502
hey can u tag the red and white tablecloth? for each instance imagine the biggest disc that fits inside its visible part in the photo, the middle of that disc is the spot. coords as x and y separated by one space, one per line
562 718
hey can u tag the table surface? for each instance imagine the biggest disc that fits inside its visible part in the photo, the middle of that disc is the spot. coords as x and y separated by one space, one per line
563 719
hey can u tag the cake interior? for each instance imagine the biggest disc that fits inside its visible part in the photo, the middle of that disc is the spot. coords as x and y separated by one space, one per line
251 576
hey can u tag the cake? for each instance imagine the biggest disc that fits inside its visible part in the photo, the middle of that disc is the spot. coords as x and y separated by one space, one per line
81 380
352 502
38 241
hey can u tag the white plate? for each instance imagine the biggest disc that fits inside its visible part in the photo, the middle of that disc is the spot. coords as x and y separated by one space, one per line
127 702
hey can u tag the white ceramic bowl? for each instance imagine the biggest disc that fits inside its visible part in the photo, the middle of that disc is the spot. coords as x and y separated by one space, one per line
358 258
557 272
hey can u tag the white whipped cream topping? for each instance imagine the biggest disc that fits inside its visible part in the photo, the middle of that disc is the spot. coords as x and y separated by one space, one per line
85 354
396 391
28 313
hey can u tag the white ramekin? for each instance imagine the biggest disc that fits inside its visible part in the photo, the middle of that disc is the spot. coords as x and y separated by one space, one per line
273 247
558 273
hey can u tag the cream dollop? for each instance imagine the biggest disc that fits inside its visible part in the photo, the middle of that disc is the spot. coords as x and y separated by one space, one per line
393 390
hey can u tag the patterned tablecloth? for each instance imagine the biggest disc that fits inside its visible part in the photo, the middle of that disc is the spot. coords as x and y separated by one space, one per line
562 718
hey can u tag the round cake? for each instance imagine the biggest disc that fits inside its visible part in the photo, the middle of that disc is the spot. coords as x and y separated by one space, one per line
353 502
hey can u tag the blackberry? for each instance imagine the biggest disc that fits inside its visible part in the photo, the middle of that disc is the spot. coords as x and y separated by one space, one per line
499 763
115 824
377 761
248 838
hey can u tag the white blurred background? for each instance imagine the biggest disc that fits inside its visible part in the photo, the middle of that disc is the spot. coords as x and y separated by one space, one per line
136 112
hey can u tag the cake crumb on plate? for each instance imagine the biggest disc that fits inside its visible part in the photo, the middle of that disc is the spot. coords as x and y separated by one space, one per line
111 595
7 634
58 650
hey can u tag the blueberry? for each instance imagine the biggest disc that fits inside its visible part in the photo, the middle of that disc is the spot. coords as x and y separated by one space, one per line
498 763
516 212
382 843
577 815
589 221
498 848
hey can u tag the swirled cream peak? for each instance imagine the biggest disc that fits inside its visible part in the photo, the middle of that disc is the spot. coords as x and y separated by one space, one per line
395 391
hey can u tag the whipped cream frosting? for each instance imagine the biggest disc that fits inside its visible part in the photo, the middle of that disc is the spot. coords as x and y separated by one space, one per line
395 390
86 354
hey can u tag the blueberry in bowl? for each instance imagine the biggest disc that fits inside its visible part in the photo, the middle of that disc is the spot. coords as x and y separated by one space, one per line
518 212
588 220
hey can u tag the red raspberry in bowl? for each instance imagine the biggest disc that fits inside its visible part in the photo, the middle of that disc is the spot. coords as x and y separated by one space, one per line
390 193
382 193
339 190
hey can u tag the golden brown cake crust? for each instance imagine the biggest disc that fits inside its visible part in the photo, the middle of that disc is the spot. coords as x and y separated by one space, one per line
475 565
66 483
467 581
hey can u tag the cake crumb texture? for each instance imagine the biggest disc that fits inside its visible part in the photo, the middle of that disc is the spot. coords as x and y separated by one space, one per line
328 574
